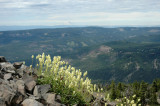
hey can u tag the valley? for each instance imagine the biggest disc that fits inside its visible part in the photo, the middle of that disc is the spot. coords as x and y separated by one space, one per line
122 54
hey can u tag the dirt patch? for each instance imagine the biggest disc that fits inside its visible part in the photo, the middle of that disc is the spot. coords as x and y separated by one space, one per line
121 29
154 30
105 49
101 50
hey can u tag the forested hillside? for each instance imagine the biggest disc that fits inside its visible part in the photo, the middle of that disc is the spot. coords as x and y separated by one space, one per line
120 54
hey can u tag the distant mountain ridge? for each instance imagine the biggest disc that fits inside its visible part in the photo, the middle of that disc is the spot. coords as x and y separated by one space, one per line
12 28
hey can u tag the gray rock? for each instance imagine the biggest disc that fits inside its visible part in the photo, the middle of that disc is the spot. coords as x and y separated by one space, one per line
17 99
58 98
40 90
7 66
27 77
56 104
1 75
26 69
23 69
0 67
21 87
17 65
2 59
7 91
10 71
8 76
2 102
111 104
30 84
33 97
31 102
50 98
13 85
20 72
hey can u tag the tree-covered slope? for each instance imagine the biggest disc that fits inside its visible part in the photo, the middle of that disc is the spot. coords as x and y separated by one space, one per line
121 54
122 61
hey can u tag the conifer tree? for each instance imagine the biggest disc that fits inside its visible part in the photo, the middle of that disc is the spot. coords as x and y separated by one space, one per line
136 87
153 99
143 88
154 86
119 87
113 90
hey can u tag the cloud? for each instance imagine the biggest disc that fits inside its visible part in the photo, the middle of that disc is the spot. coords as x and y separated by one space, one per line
103 17
78 11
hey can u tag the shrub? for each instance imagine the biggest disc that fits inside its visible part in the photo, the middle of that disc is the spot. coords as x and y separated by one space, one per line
73 86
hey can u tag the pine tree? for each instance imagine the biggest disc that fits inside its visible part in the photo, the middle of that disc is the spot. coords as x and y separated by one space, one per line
119 95
143 89
154 89
120 86
154 86
153 99
113 90
136 88
120 89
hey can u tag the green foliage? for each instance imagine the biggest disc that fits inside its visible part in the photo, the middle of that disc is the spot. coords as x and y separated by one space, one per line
154 86
134 50
132 101
65 80
143 89
133 94
136 87
113 90
153 99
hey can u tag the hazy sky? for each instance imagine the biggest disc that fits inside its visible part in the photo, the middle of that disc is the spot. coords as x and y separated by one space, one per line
80 12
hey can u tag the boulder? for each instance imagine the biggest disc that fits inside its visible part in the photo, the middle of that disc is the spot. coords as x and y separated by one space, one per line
2 59
50 98
2 102
58 98
20 73
23 69
7 66
7 91
29 82
8 76
31 102
13 86
17 65
21 86
18 99
40 90
10 71
33 97
1 75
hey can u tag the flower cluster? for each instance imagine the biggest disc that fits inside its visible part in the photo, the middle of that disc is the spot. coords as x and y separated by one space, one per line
133 101
62 76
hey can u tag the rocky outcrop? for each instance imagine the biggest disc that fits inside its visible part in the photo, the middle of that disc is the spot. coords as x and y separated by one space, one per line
2 59
18 87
